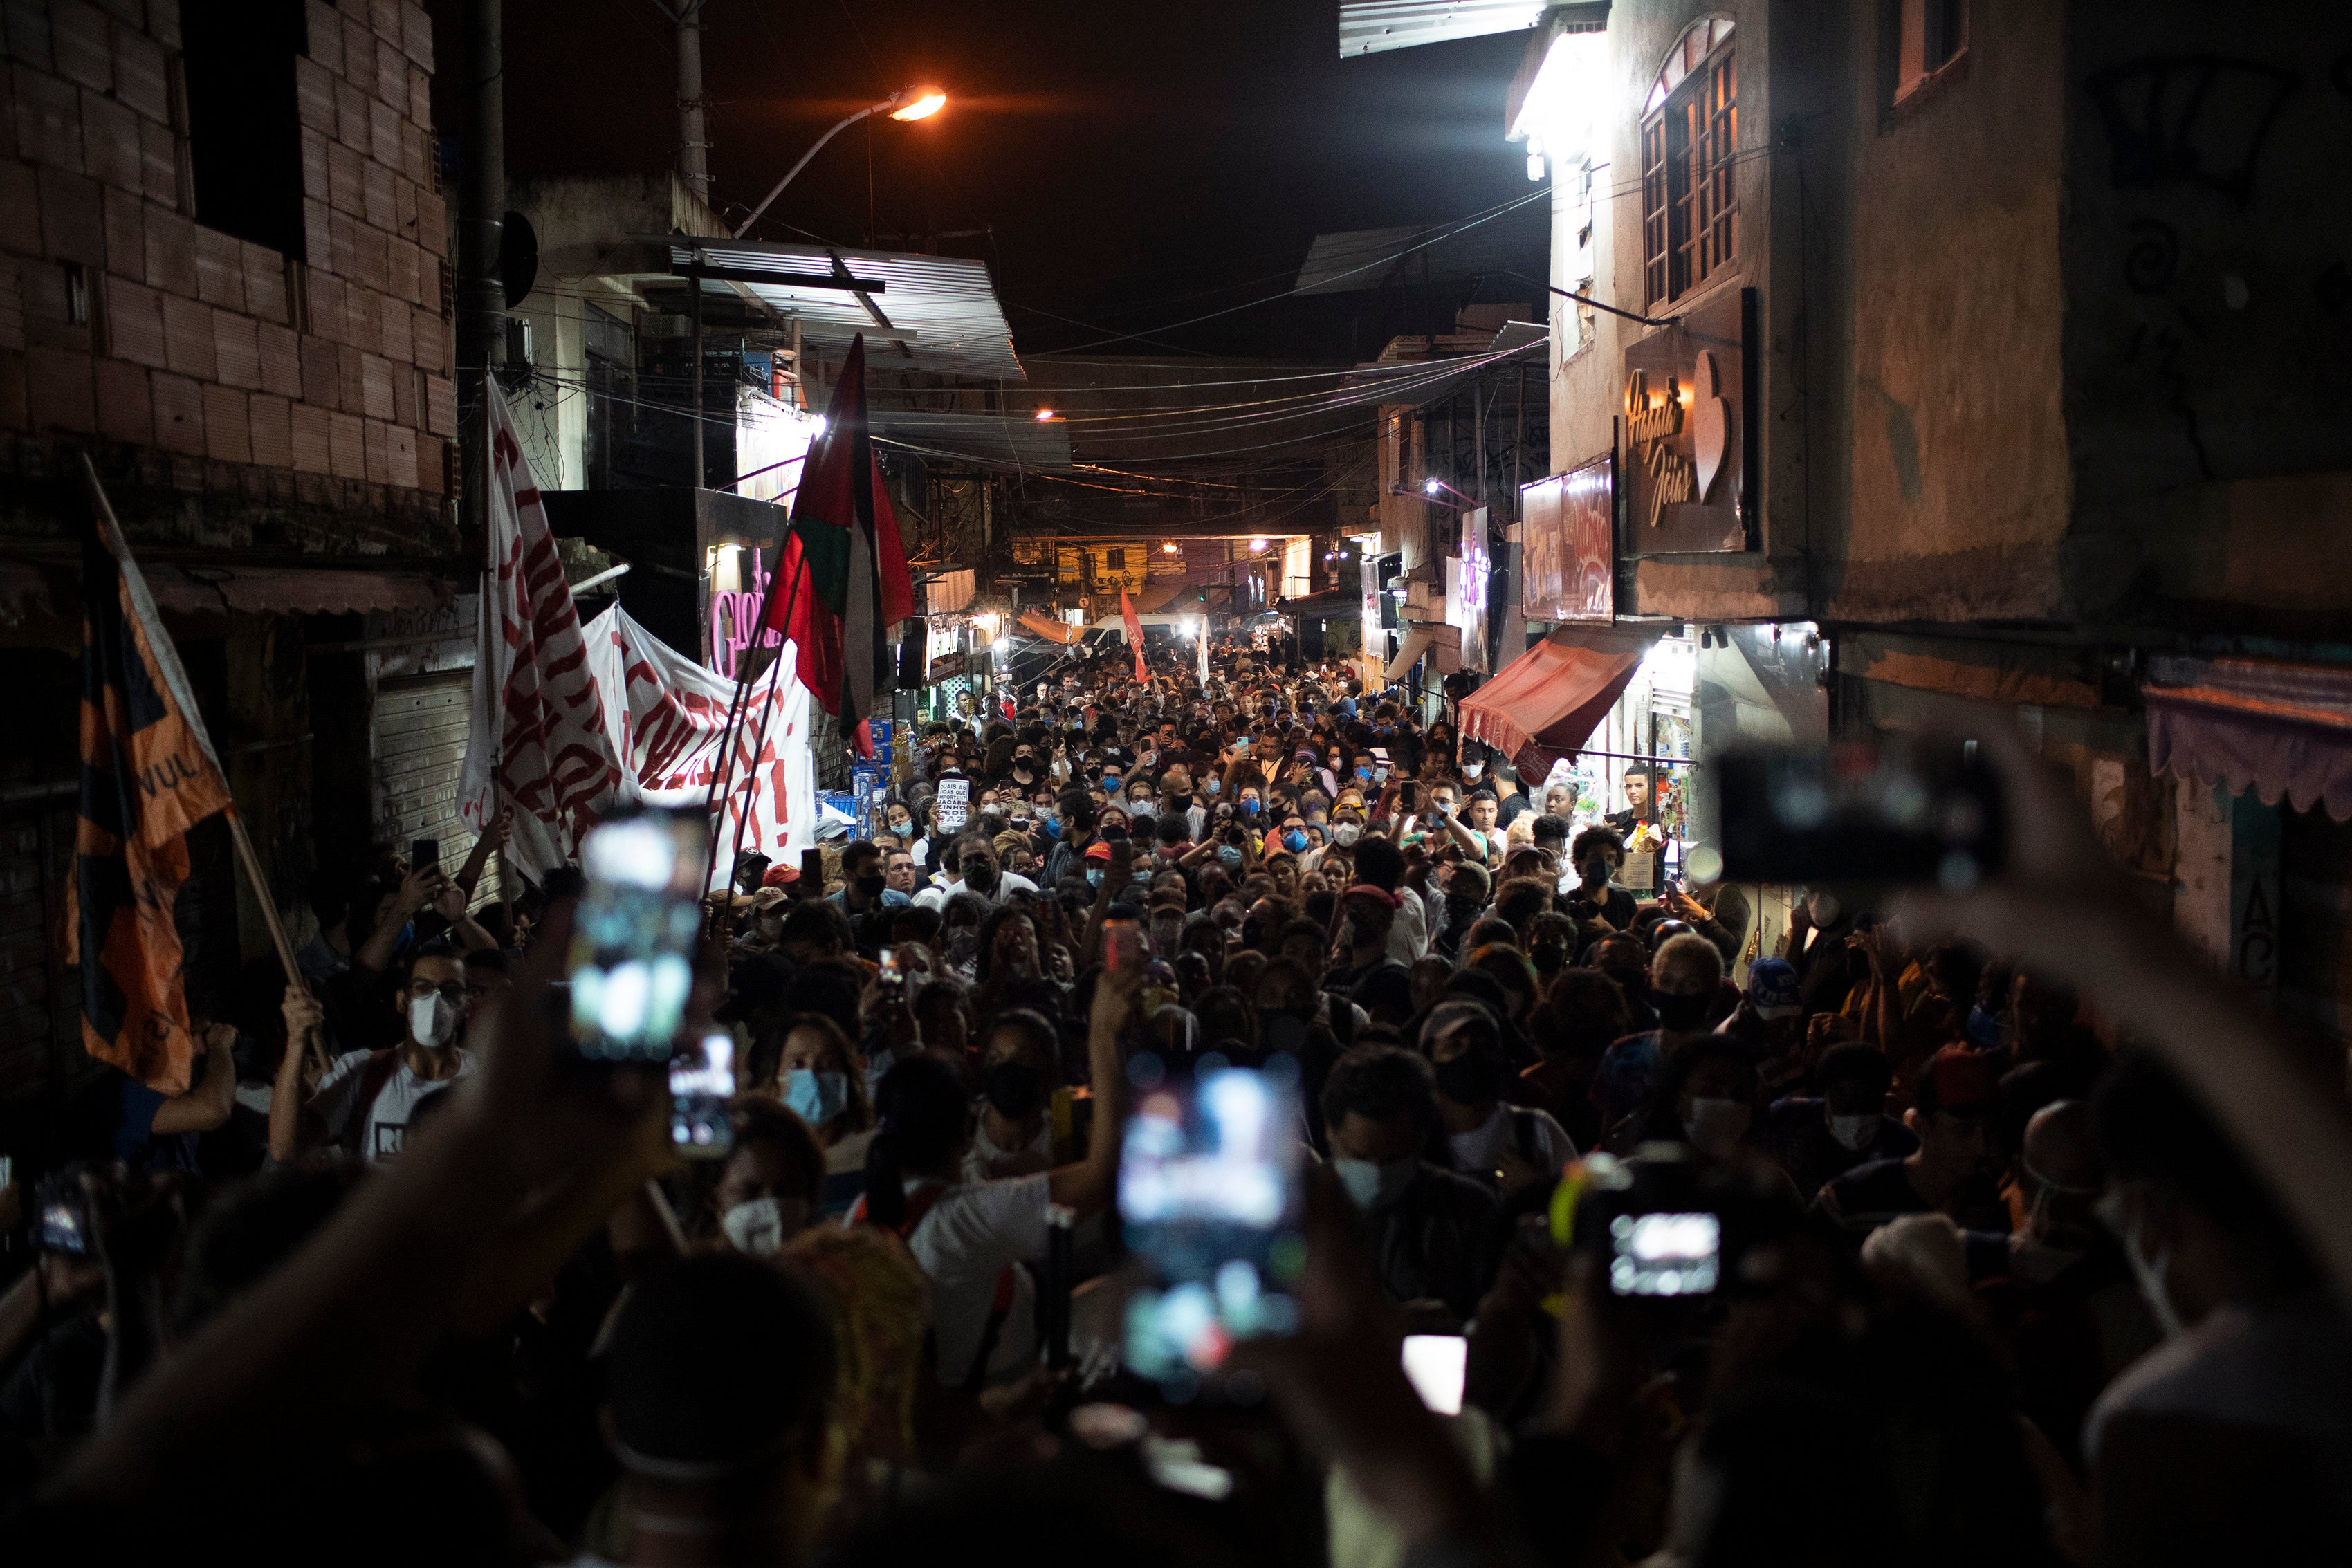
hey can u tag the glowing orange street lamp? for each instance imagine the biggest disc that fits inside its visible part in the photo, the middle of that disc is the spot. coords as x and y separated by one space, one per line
907 103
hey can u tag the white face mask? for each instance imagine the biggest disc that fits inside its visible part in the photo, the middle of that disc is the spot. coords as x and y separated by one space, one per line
1371 1183
432 1021
1344 832
762 1227
1715 1126
1472 770
1852 1132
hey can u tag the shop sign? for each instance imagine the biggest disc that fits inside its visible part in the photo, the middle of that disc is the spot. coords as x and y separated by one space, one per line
1688 445
1466 574
734 616
1568 542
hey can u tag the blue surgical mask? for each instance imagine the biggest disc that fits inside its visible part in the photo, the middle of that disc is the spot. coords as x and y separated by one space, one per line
1371 1185
1053 828
1094 877
1293 840
1229 856
1110 781
1213 786
1249 808
816 1097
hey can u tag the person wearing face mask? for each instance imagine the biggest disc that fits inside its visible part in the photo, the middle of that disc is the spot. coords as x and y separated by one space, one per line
866 896
365 1101
1685 980
1505 1146
1953 1107
977 870
1705 1101
820 1080
1817 1138
770 1187
2230 1439
1430 1231
1596 854
1019 1098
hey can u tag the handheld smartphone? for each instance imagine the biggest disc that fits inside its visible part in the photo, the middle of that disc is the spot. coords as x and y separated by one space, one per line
1890 813
632 959
423 852
1122 943
1408 795
701 1083
888 976
65 1215
1210 1202
1436 1366
1666 1254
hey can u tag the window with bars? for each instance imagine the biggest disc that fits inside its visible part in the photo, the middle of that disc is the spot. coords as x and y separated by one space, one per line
1690 140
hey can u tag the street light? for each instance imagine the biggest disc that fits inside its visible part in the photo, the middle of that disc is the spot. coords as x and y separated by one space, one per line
907 103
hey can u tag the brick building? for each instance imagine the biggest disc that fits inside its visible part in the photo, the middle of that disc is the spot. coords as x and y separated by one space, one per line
226 275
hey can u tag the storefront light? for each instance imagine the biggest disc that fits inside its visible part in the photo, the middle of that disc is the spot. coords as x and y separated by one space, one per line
1564 103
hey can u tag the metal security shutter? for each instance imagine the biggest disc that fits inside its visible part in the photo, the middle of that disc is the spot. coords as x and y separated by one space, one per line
419 734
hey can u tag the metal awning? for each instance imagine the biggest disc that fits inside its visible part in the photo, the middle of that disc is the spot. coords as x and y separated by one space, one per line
1374 27
1518 239
989 438
924 312
1417 639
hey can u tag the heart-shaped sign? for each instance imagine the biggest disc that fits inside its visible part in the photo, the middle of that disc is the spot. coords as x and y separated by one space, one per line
1710 427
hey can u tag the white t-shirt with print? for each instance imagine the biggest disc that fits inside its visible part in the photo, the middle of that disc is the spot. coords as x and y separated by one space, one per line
387 1128
971 1236
1480 1151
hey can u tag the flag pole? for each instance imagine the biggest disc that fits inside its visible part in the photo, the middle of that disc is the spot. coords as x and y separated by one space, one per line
774 672
722 774
245 858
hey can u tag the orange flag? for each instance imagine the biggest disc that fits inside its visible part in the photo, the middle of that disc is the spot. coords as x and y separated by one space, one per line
1134 633
148 775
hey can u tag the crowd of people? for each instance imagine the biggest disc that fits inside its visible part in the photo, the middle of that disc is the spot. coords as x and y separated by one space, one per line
2034 1234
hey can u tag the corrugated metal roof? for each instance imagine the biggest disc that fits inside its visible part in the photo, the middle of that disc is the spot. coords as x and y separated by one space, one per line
943 308
1518 240
1372 26
993 438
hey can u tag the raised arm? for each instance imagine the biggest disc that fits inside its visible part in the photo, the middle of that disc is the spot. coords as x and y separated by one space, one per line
206 1104
303 1016
1085 1186
2064 907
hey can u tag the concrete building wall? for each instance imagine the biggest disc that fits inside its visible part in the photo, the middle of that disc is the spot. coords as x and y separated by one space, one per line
1957 497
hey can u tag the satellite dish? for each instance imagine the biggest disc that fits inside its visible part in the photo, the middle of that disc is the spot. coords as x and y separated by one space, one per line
517 257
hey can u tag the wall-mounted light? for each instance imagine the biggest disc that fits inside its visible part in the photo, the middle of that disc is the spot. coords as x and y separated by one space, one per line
1167 549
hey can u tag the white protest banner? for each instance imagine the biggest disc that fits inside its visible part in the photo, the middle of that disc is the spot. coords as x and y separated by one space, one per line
666 715
952 803
537 740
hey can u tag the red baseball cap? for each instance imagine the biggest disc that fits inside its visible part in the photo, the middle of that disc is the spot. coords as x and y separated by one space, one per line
1959 1082
781 876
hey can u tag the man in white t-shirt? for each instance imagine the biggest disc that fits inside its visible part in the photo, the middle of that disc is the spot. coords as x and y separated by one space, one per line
365 1100
976 871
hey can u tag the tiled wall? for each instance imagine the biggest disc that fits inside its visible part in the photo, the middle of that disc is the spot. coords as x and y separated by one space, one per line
191 340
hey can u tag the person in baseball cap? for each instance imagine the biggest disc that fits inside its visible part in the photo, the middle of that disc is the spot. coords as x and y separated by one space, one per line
1772 990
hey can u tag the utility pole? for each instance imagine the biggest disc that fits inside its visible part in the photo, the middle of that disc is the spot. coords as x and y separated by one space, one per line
481 227
693 145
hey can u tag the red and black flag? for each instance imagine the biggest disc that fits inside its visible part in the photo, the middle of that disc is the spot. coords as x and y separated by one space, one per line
148 775
842 579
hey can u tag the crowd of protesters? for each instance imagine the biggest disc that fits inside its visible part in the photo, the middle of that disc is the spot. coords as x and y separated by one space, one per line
2043 1231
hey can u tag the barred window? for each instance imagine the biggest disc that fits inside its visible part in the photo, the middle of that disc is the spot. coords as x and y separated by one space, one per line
1690 141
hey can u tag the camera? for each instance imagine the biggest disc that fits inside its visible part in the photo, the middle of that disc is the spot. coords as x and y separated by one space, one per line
1664 1225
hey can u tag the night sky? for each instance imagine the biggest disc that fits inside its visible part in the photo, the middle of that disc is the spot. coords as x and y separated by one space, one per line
1138 165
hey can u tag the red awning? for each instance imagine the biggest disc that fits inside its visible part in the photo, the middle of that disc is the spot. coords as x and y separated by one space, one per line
2264 724
1546 702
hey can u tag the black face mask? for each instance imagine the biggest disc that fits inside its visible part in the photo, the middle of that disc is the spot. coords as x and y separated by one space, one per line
1470 1079
1548 959
1857 964
872 886
979 878
1179 802
1283 1031
1677 1012
1015 1087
